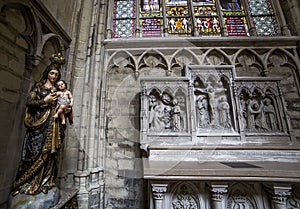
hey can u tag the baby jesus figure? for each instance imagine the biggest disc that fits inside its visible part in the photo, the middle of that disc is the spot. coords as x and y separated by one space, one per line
64 102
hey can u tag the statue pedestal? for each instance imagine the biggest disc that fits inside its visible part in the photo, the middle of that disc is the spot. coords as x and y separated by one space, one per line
38 201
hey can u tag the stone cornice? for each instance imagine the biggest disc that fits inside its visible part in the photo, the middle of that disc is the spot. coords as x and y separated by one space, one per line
221 42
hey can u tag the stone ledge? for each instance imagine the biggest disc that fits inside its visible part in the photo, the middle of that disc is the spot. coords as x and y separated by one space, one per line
221 171
67 199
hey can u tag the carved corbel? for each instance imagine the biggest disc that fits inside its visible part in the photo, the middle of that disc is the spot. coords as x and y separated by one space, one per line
32 61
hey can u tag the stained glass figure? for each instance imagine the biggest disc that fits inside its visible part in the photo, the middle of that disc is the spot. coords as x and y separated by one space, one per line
178 17
150 5
231 4
206 17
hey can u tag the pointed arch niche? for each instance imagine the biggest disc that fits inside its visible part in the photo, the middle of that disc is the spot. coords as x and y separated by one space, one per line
282 64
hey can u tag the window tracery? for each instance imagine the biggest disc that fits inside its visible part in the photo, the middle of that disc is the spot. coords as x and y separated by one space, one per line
160 18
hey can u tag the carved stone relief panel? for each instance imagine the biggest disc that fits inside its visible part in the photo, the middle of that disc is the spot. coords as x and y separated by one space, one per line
164 106
185 198
240 200
213 100
261 107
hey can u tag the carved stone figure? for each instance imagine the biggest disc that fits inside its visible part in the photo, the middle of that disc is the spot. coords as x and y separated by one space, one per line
243 112
152 105
167 118
165 113
250 115
212 98
177 123
224 113
269 111
202 110
256 116
156 119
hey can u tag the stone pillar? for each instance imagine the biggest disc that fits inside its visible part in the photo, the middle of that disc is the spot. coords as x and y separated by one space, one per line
279 196
217 195
158 191
81 182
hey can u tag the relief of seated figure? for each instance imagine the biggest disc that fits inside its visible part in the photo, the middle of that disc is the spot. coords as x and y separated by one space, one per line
165 114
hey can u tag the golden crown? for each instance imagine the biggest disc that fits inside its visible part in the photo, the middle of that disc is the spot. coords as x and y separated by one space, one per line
57 60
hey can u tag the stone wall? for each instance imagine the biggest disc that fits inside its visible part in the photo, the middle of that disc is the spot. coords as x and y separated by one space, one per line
291 10
13 92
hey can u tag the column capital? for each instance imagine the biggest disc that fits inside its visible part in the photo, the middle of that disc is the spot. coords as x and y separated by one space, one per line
280 194
158 190
218 191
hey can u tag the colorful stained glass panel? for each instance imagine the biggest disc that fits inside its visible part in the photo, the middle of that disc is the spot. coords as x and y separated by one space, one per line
266 25
124 9
124 28
179 25
176 2
151 27
259 7
236 26
203 2
177 11
231 4
205 10
150 5
208 26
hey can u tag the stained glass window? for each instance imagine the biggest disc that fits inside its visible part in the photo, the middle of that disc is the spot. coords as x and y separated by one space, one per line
160 18
178 17
124 18
206 17
151 19
234 17
263 18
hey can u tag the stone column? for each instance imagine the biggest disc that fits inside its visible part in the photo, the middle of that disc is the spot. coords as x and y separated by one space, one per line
217 195
279 196
158 191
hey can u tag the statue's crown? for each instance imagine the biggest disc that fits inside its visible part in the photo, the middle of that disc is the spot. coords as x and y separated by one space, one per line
57 60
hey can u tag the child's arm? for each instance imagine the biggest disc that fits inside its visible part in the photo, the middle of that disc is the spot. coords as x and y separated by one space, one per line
70 98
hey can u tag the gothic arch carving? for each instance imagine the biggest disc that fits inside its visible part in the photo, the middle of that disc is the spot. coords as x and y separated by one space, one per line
184 195
241 196
182 58
155 61
122 61
55 39
281 63
289 58
249 63
30 30
34 32
216 57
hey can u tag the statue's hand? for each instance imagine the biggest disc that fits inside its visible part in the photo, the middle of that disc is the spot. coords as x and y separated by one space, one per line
67 110
50 98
